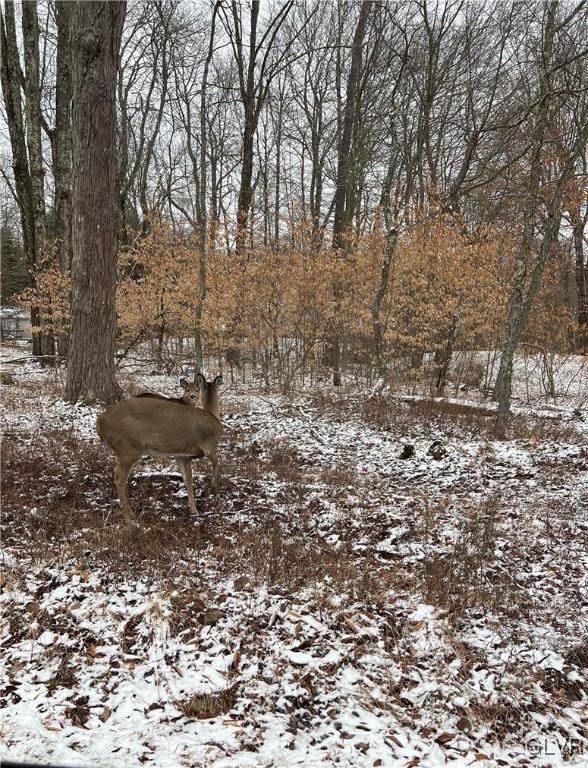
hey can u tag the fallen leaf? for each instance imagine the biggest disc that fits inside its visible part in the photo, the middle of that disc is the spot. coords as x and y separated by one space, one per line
106 712
212 616
91 653
464 725
50 726
84 575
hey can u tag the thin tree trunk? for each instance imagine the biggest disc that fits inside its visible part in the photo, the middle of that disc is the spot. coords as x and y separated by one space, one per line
521 304
377 334
445 356
62 135
97 30
343 192
203 219
11 78
248 96
163 76
581 279
516 321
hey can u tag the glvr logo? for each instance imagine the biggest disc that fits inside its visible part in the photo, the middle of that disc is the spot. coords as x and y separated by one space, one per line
545 748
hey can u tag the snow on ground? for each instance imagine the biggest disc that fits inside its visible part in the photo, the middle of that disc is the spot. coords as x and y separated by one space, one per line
334 604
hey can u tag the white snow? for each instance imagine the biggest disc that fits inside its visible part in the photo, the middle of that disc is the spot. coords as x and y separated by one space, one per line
334 605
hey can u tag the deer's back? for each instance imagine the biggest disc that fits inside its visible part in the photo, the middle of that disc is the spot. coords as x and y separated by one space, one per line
159 427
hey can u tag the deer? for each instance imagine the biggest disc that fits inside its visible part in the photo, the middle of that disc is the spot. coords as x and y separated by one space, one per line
158 426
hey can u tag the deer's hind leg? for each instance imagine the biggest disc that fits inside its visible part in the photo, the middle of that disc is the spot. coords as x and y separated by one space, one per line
185 467
213 458
122 471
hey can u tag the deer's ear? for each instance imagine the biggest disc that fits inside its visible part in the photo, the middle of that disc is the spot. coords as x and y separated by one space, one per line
200 380
183 384
217 382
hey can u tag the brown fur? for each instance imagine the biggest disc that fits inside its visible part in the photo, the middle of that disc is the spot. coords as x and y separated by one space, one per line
153 425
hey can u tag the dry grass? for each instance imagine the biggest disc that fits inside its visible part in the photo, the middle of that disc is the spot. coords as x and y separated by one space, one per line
394 414
465 575
209 705
59 504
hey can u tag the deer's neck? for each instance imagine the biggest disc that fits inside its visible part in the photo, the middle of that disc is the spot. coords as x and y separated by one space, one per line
212 408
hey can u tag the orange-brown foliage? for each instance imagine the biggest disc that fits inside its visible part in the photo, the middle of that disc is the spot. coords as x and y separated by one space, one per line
277 304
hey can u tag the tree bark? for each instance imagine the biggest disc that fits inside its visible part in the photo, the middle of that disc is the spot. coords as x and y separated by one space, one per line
30 34
343 190
444 358
516 322
97 29
248 98
253 90
61 143
32 88
581 275
377 334
202 213
12 77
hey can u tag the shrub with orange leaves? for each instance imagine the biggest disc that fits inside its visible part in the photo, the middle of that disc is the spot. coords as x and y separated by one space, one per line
50 293
277 308
158 285
438 266
275 304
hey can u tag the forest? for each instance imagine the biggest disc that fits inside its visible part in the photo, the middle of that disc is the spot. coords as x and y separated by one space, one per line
363 225
307 189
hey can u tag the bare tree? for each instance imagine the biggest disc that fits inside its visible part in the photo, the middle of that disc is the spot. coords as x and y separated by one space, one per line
344 189
61 135
543 196
257 66
202 212
25 137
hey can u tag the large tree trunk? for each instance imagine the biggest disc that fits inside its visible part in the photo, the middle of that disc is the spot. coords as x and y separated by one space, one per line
30 35
97 29
343 190
61 147
246 185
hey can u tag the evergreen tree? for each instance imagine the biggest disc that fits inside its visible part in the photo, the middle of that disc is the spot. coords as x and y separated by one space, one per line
13 270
